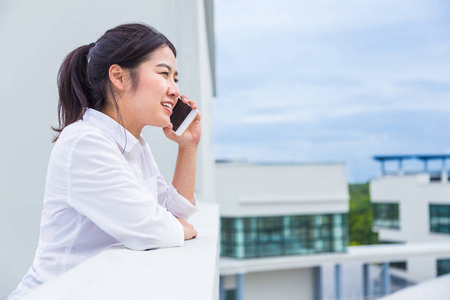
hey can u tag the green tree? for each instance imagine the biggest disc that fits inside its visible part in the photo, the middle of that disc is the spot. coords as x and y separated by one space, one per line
360 216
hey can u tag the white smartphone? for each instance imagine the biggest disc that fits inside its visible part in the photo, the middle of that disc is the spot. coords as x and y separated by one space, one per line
182 116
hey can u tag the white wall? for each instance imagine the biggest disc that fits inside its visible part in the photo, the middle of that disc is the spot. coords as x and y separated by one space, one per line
297 284
35 37
414 193
262 190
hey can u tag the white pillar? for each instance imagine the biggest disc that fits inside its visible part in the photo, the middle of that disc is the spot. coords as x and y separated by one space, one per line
240 287
318 283
386 279
221 288
444 175
400 167
366 281
338 281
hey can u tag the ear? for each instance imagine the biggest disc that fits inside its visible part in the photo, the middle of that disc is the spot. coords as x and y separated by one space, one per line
119 77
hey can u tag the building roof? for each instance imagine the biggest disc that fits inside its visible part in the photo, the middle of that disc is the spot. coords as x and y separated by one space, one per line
419 157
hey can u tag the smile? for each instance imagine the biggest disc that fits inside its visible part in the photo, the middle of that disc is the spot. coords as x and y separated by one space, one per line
168 105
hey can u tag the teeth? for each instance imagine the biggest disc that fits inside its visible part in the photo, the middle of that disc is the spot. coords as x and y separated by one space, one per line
167 105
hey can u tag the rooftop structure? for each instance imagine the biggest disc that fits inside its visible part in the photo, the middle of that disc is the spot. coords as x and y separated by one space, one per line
414 207
425 159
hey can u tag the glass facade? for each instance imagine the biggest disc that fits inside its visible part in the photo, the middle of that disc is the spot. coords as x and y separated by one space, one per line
386 215
440 218
443 266
249 237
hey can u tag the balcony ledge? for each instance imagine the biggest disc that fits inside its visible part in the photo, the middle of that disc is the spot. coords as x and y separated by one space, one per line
188 272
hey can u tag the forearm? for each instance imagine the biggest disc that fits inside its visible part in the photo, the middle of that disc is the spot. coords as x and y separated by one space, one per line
184 176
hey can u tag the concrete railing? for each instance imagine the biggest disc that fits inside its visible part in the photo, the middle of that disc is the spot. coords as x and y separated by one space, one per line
188 272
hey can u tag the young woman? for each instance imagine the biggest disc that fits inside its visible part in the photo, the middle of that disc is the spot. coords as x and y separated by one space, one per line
103 185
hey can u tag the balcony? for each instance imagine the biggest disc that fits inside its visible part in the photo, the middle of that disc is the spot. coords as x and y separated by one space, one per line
188 272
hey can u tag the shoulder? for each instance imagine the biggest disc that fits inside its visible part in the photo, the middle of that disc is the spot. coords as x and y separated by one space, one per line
82 133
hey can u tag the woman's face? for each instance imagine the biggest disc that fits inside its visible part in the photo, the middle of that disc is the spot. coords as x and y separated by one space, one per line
156 93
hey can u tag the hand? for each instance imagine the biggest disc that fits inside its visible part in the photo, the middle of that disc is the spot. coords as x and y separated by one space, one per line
189 231
191 137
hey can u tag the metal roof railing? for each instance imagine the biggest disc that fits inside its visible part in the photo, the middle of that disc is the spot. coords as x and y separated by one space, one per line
400 158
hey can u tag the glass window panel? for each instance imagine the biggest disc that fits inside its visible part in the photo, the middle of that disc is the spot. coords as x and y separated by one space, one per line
386 215
230 295
239 237
440 218
443 266
269 249
227 222
238 223
250 236
288 235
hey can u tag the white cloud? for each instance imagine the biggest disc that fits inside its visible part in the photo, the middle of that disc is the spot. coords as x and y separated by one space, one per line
315 103
317 63
320 16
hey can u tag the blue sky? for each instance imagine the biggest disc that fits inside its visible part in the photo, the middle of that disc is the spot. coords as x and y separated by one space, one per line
331 81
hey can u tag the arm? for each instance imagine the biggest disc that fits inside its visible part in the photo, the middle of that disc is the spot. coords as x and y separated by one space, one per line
102 187
184 175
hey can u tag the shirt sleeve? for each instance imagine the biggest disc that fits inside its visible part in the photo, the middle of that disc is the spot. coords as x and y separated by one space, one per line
179 206
102 187
169 197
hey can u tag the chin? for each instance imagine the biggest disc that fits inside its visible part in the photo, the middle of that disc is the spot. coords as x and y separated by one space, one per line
161 123
166 124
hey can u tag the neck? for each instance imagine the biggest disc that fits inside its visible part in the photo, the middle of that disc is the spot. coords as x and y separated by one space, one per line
120 117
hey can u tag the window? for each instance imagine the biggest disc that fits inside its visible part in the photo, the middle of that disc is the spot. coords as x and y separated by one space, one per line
402 265
435 177
386 215
443 266
250 237
440 218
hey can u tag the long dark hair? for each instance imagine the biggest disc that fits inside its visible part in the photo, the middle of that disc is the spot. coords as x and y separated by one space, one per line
83 79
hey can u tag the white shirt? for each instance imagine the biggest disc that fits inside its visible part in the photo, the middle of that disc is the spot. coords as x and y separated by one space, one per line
103 188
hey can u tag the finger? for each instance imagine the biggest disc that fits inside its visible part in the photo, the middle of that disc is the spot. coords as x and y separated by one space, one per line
184 98
197 118
168 131
193 104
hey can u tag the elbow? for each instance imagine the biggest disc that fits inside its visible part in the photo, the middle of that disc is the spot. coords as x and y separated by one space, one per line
153 241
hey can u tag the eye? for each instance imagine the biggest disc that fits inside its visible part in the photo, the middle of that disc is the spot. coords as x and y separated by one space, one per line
165 73
176 80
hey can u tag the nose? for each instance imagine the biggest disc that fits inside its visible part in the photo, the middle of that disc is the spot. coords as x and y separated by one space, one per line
173 90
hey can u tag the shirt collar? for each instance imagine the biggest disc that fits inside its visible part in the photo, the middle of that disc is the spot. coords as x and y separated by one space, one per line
105 123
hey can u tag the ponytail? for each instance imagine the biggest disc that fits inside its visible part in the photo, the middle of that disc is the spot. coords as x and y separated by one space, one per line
83 80
73 95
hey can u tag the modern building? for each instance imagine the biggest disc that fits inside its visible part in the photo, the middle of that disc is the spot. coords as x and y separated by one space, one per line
411 204
272 217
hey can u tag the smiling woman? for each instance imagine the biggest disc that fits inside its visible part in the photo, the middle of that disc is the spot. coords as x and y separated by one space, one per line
103 185
156 92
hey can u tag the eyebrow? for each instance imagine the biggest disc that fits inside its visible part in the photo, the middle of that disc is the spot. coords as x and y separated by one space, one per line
168 67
